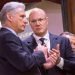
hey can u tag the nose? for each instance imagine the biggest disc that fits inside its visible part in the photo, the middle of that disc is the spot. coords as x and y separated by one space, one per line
73 46
25 21
37 22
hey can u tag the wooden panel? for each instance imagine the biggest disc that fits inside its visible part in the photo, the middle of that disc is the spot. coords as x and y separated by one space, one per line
56 1
68 9
73 15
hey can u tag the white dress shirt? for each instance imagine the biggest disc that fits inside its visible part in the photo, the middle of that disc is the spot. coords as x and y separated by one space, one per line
46 41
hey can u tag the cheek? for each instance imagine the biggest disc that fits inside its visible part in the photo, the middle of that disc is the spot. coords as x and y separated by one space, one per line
44 27
19 22
33 27
15 21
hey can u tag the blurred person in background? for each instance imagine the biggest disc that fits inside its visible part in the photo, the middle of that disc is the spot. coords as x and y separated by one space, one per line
71 37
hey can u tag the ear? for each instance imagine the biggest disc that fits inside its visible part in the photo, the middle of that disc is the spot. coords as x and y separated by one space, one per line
47 20
9 16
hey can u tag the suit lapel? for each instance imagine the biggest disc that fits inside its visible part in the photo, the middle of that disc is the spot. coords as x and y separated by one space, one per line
31 42
53 41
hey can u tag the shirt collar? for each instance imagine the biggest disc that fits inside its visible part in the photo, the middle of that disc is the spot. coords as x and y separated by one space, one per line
46 36
11 30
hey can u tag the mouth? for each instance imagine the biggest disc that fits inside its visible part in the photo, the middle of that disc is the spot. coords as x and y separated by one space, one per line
38 28
24 26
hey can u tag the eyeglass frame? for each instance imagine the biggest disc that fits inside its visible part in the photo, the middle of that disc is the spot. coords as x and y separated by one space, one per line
39 20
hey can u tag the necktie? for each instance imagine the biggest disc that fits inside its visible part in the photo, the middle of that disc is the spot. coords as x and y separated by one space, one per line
43 71
42 41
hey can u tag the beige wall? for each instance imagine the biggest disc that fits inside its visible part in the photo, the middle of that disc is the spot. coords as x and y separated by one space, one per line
54 14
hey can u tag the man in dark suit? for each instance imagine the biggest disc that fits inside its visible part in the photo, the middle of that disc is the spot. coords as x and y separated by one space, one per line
39 23
15 56
71 37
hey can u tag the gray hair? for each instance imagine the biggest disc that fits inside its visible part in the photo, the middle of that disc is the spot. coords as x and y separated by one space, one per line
67 33
10 6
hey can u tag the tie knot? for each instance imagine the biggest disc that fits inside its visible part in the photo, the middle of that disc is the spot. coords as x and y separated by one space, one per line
42 41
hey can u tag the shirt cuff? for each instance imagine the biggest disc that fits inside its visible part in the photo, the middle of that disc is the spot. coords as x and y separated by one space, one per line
61 63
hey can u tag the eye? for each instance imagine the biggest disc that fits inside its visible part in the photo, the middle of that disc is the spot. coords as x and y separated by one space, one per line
33 21
40 19
23 16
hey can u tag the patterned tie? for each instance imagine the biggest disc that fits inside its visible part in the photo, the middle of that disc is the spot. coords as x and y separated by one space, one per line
42 41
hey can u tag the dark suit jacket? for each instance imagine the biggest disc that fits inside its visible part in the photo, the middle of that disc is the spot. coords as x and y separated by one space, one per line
65 51
16 58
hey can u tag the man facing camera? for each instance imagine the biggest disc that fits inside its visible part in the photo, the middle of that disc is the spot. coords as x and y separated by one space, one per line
38 20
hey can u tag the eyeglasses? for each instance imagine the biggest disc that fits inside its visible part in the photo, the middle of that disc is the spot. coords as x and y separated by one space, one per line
38 20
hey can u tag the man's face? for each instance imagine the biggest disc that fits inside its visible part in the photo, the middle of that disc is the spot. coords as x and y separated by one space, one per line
39 23
19 20
72 40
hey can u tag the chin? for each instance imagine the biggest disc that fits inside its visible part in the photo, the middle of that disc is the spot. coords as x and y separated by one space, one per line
21 31
39 34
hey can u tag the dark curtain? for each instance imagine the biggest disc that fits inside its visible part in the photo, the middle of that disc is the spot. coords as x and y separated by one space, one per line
56 1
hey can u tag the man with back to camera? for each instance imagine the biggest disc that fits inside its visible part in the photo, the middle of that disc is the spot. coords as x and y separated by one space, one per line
15 56
39 23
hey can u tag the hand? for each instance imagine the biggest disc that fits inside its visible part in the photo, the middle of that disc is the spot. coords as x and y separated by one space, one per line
58 49
42 48
55 55
52 60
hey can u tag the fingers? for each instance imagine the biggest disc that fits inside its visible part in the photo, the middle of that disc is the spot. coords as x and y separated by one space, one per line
54 51
58 46
54 55
50 62
43 49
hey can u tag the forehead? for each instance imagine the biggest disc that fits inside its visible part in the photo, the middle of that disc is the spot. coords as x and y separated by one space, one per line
37 14
18 11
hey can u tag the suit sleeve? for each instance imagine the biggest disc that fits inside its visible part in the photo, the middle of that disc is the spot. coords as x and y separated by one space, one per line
18 56
69 57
